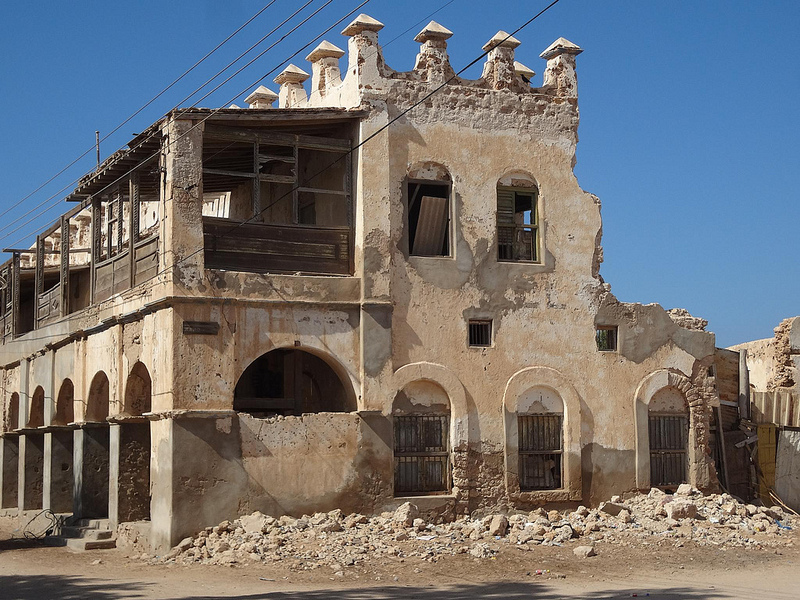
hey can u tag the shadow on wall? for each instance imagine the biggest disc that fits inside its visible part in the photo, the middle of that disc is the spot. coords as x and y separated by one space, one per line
74 588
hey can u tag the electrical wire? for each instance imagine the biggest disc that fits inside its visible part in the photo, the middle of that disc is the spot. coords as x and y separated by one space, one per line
349 152
58 193
216 110
144 106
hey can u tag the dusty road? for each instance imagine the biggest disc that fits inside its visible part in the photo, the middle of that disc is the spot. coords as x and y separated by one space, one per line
30 571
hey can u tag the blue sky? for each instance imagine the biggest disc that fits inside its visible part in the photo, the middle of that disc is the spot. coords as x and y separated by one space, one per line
689 127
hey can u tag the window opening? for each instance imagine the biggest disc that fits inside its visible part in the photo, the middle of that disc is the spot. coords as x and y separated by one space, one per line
606 338
428 218
540 452
480 333
669 437
517 225
421 455
290 382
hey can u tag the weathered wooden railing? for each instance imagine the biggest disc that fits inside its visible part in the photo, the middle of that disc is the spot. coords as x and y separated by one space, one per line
262 248
113 275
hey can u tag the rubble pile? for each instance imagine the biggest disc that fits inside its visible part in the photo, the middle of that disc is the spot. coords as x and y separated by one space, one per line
336 540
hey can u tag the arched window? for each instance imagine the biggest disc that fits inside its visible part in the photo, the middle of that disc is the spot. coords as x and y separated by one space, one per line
291 382
138 391
65 404
518 231
12 412
97 405
668 429
428 215
540 423
36 414
421 418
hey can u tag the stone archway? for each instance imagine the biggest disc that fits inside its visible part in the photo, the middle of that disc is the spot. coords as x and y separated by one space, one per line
92 454
292 381
133 448
514 399
700 469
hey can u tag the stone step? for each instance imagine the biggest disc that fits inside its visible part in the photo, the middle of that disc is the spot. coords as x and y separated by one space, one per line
94 523
82 544
71 531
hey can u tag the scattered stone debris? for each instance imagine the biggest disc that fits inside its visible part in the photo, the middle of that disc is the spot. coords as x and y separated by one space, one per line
339 541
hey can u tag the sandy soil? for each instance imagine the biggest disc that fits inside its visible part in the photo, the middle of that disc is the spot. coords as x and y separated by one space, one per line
30 570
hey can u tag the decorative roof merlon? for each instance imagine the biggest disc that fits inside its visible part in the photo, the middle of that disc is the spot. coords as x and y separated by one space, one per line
325 50
292 74
521 69
560 46
262 95
502 39
362 23
433 31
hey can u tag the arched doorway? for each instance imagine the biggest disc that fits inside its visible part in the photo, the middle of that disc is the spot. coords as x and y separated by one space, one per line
421 422
33 453
10 459
62 475
133 484
291 382
668 430
65 404
540 439
92 453
36 412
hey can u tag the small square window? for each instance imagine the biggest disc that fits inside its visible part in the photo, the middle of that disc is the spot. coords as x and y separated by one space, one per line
606 338
480 333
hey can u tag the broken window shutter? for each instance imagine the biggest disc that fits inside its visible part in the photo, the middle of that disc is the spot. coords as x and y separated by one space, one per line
505 207
431 227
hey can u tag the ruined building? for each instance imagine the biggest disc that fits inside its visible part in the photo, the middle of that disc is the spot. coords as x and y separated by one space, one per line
344 301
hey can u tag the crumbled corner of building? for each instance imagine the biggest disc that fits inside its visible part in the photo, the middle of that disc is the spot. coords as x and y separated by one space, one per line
783 374
336 540
683 318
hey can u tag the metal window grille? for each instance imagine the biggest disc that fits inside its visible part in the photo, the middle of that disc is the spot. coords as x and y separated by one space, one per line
669 436
421 456
480 333
606 338
540 452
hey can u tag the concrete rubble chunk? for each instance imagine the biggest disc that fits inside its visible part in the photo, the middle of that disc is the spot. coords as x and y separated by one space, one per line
292 74
255 523
584 551
611 508
523 71
362 23
498 525
560 46
680 509
433 31
405 514
325 50
501 39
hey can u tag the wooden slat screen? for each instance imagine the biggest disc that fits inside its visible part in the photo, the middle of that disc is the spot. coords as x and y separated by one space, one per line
262 248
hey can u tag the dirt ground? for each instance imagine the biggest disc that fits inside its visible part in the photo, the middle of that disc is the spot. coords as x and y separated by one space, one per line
30 570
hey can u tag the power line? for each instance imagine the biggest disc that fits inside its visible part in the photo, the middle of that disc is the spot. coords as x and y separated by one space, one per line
234 61
354 148
148 103
367 139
